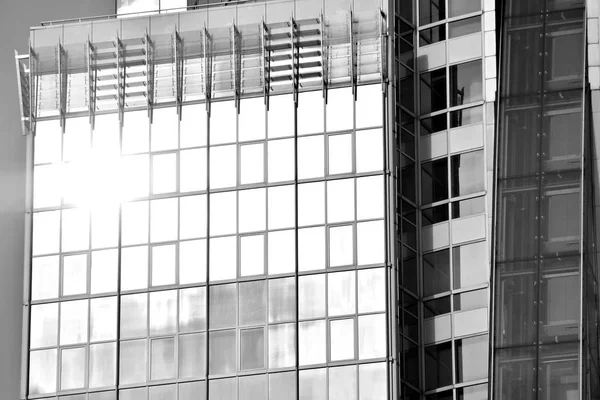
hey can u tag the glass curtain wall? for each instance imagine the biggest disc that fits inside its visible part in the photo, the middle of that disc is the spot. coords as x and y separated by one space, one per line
538 268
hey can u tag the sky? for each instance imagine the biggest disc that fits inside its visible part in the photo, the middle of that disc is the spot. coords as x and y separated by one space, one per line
16 16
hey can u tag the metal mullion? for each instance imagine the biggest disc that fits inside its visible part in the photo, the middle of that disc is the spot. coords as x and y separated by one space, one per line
208 238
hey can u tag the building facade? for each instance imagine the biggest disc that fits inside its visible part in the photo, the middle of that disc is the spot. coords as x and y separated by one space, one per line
314 199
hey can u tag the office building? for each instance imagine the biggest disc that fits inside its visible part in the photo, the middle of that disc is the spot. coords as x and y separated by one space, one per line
314 199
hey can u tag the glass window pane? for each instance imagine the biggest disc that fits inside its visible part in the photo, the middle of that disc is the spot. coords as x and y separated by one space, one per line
251 119
223 306
44 278
192 261
44 325
163 312
470 265
252 210
343 383
136 176
371 290
371 243
192 170
163 265
134 315
432 35
46 186
223 258
431 11
252 158
340 109
103 361
192 391
104 271
464 27
134 268
164 173
434 187
164 135
48 142
434 124
282 252
436 272
73 322
340 200
341 293
105 227
252 257
468 173
75 230
471 300
222 122
466 83
282 300
311 157
222 353
438 363
134 394
223 212
192 217
282 207
477 392
340 154
341 339
165 392
311 204
162 364
252 348
223 166
132 362
42 372
223 389
192 128
460 7
312 342
369 150
192 355
372 382
253 387
313 384
281 385
433 90
310 113
282 346
253 303
192 309
103 319
134 223
311 249
369 106
163 220
281 160
311 296
471 358
341 246
72 371
371 336
369 198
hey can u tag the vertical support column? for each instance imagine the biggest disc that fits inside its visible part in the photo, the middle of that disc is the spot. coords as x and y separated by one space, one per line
324 59
266 63
295 60
33 89
179 72
62 85
150 77
237 65
207 69
121 80
383 49
353 50
93 80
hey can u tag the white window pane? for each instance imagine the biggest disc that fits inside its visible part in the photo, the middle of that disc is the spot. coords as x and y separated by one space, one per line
253 387
252 158
192 170
222 353
252 119
340 200
311 159
75 230
340 109
46 186
372 382
282 300
223 122
252 210
341 247
134 315
371 243
164 392
311 296
192 261
369 150
48 141
77 141
132 362
371 336
252 257
42 372
253 303
75 274
341 293
313 384
104 271
162 361
281 385
342 383
73 322
280 161
312 342
163 312
311 248
252 349
282 346
134 223
282 252
223 213
192 217
164 135
103 363
164 173
163 265
281 116
72 371
105 227
282 207
106 138
136 132
103 319
192 309
134 268
135 176
137 393
44 325
192 127
369 197
369 106
311 204
46 232
192 391
223 166
163 220
342 339
192 355
223 389
310 113
44 277
371 290
340 154
223 258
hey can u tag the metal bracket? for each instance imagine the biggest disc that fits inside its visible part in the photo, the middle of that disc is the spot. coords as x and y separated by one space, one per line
207 69
179 72
24 91
121 80
34 88
295 60
237 65
266 63
92 82
62 85
324 58
383 36
150 78
353 57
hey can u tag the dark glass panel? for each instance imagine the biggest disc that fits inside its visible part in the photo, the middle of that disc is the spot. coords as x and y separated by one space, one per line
409 234
438 364
468 207
410 276
466 83
447 395
522 8
433 91
434 181
466 116
433 124
461 7
471 300
436 272
564 61
407 144
435 215
522 59
561 141
407 92
409 182
559 371
468 173
432 35
477 392
433 308
410 363
464 26
519 142
515 374
471 358
431 11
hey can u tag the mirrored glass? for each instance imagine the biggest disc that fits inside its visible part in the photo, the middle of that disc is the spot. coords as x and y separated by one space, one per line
311 249
162 361
164 173
223 258
163 312
163 265
252 159
341 339
42 372
281 165
282 346
134 268
369 106
132 362
192 355
311 157
341 246
340 109
105 227
311 204
223 166
222 122
192 128
343 383
46 186
136 176
48 142
282 252
310 113
312 337
192 391
223 213
371 336
73 322
281 116
340 154
371 243
471 300
103 361
470 265
371 290
192 170
46 232
223 306
222 353
134 315
103 319
282 300
313 384
252 210
163 220
75 230
252 348
340 200
104 271
134 220
165 392
369 198
311 296
471 358
44 280
44 325
164 129
282 207
369 151
460 7
192 261
253 303
252 255
341 293
72 370
192 309
192 217
253 387
252 119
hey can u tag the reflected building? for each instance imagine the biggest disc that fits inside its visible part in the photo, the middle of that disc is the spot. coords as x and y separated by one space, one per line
313 199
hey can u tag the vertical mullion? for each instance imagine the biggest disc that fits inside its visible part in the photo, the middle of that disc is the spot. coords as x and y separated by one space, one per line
119 274
206 292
